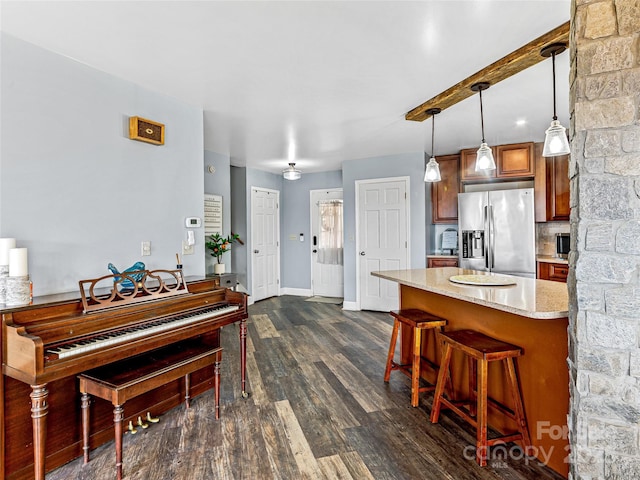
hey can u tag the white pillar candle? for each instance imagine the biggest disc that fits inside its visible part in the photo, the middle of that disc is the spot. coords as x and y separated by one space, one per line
6 244
18 265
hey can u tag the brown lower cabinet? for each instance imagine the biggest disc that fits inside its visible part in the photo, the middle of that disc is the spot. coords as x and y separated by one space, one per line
556 272
442 262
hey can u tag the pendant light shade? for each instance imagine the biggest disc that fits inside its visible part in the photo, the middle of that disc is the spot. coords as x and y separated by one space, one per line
291 173
432 172
555 140
484 157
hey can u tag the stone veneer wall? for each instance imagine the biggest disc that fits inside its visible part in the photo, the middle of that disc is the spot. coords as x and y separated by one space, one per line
604 284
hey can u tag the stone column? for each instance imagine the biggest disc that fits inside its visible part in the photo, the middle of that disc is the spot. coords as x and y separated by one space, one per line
604 284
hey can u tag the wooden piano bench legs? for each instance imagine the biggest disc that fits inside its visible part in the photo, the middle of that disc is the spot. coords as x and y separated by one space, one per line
480 350
418 321
120 381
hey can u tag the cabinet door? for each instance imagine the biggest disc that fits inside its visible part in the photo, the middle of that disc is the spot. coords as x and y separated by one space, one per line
515 160
468 167
444 194
442 262
558 188
551 187
556 272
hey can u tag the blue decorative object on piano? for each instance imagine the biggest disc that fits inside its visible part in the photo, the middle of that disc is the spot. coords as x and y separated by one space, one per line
126 283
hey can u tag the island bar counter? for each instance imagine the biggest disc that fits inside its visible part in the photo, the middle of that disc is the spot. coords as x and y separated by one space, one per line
531 314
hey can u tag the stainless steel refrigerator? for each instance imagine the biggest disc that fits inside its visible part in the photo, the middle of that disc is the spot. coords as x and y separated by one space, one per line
496 231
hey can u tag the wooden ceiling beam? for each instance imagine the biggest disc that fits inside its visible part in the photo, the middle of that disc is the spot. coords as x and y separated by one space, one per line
515 62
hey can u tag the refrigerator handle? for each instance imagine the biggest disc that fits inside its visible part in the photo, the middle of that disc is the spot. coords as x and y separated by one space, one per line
492 238
485 218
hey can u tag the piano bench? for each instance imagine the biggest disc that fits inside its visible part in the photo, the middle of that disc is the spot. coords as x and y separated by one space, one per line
117 382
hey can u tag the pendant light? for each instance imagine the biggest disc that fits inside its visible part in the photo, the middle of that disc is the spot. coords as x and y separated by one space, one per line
291 173
432 172
484 158
555 140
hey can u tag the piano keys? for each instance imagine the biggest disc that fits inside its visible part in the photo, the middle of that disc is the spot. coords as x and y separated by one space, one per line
46 345
143 330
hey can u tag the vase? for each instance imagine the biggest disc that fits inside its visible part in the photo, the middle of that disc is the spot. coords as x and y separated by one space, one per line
218 268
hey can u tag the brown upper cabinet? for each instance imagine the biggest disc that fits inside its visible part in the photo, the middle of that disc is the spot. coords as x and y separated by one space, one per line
551 187
444 194
468 167
516 160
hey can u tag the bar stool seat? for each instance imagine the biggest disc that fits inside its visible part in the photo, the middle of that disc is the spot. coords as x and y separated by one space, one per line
480 350
417 320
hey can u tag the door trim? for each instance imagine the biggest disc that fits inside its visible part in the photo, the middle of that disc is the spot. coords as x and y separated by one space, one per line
277 230
311 192
359 183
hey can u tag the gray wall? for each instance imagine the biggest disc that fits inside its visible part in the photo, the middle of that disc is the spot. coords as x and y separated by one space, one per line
239 222
408 164
74 189
295 212
219 183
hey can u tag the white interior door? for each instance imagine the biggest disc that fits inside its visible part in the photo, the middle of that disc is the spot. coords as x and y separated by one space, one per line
382 232
327 278
265 231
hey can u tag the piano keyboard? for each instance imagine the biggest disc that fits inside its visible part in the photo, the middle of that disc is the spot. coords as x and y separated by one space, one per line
138 331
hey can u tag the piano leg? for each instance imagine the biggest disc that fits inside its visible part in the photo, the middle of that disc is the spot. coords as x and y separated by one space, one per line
187 387
216 383
118 416
243 356
39 411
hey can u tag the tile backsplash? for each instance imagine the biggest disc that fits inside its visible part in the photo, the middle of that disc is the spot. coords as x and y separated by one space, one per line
546 236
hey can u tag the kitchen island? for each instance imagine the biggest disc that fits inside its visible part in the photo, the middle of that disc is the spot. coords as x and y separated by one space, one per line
529 313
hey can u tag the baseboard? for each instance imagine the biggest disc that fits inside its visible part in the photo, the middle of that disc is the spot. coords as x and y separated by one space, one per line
350 306
298 292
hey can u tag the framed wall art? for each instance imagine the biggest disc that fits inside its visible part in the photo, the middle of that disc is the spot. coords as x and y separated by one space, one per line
145 130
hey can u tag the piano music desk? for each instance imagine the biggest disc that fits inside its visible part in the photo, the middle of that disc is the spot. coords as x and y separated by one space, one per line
120 381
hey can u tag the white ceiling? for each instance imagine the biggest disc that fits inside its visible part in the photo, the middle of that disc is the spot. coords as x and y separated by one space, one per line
332 78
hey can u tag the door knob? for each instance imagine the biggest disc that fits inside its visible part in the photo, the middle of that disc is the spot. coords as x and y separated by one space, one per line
315 251
362 254
256 251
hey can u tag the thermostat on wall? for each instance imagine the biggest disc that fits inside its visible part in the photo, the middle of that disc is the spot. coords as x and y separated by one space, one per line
193 222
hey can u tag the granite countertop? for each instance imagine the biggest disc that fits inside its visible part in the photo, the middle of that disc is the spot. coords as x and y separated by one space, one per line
437 255
551 259
538 299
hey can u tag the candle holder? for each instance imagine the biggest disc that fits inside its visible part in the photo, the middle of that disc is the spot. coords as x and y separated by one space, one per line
18 290
4 274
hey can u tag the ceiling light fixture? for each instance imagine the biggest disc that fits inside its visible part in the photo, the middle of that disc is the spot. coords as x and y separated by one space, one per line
432 172
555 140
484 158
291 173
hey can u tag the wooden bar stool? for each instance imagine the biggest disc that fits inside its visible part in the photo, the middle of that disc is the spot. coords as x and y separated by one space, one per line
482 349
418 320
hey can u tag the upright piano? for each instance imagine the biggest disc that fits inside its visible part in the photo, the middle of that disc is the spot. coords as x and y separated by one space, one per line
46 344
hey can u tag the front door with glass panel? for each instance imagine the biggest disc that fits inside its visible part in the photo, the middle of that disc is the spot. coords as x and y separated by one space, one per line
327 243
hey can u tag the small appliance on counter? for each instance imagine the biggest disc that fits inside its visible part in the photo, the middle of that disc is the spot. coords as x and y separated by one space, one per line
450 240
563 245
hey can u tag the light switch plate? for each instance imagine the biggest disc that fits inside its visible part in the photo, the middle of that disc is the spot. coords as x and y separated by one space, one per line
145 248
186 248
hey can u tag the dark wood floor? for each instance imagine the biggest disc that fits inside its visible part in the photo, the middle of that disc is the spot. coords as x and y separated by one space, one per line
318 409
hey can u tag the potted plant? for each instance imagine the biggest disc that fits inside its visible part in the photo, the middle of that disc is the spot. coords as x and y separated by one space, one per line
218 245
